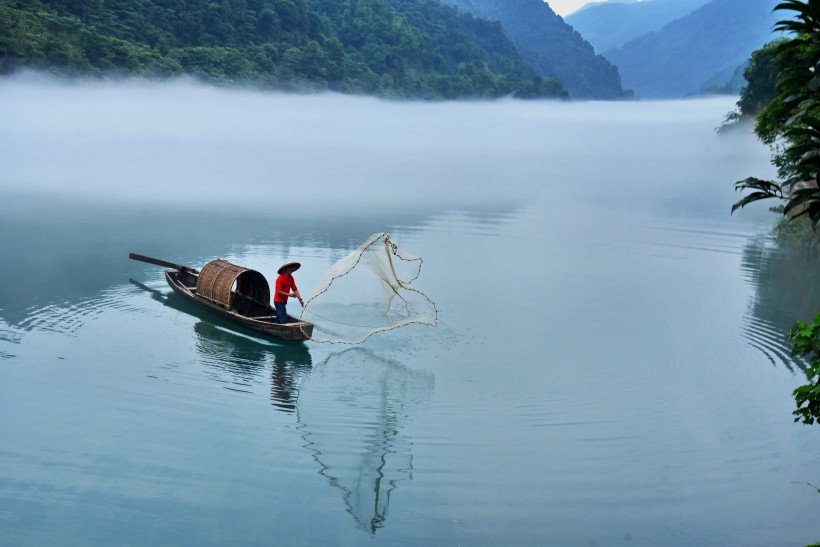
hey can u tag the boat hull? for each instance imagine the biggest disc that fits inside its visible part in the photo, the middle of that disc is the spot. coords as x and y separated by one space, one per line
261 318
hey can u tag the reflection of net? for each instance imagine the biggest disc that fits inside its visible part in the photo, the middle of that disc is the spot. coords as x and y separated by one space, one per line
353 412
366 292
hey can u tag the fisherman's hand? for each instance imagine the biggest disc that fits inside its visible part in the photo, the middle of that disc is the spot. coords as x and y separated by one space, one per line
301 302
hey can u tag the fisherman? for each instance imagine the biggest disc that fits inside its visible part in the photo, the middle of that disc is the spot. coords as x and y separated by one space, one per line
284 288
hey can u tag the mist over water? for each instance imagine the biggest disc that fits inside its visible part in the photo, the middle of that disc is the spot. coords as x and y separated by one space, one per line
182 142
608 364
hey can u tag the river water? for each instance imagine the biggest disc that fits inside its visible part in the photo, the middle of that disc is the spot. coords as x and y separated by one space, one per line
608 368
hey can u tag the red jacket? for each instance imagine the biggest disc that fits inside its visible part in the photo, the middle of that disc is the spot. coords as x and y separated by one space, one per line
286 284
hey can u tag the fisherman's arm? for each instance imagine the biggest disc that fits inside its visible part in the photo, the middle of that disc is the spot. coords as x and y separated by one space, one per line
298 296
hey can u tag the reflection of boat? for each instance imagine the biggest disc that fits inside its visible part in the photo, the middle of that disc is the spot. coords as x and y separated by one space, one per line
245 358
238 294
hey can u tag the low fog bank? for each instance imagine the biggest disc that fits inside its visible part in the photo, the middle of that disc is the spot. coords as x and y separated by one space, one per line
184 142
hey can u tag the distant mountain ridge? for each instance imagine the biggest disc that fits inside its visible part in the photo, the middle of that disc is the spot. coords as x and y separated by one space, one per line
550 46
607 25
679 59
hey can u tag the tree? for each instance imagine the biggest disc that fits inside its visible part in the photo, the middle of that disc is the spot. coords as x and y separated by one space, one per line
335 59
398 48
806 343
759 91
761 77
794 116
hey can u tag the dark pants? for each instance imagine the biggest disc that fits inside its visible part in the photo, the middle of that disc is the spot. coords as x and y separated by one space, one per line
281 312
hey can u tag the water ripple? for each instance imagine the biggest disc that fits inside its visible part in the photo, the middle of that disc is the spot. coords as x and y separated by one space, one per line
8 335
769 340
69 317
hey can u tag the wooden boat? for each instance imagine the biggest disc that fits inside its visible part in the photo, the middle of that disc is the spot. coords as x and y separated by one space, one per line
238 294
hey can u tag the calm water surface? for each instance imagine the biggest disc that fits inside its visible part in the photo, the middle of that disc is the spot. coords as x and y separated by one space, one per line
608 367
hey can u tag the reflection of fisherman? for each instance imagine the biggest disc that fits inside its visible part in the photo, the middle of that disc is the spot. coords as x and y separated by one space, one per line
290 365
285 287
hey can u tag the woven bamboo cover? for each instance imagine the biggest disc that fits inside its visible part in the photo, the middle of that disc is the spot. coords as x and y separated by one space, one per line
217 277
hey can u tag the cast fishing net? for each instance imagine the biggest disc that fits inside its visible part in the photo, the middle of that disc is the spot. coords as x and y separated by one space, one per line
368 291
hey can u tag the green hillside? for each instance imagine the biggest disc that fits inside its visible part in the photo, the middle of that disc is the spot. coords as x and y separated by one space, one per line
407 49
550 46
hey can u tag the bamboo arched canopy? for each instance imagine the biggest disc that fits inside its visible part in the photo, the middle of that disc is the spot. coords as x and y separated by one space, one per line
217 277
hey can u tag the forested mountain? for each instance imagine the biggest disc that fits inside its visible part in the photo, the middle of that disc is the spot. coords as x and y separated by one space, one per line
608 25
684 55
406 48
550 45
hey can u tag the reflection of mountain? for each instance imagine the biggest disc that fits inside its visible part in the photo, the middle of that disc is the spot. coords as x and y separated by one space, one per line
787 289
351 412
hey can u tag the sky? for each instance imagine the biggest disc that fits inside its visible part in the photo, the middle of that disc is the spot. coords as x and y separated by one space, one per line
565 7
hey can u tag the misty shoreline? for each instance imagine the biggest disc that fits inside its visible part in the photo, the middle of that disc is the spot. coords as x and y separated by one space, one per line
113 79
185 142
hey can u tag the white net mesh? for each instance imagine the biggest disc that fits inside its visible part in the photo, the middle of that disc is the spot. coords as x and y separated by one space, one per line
366 292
